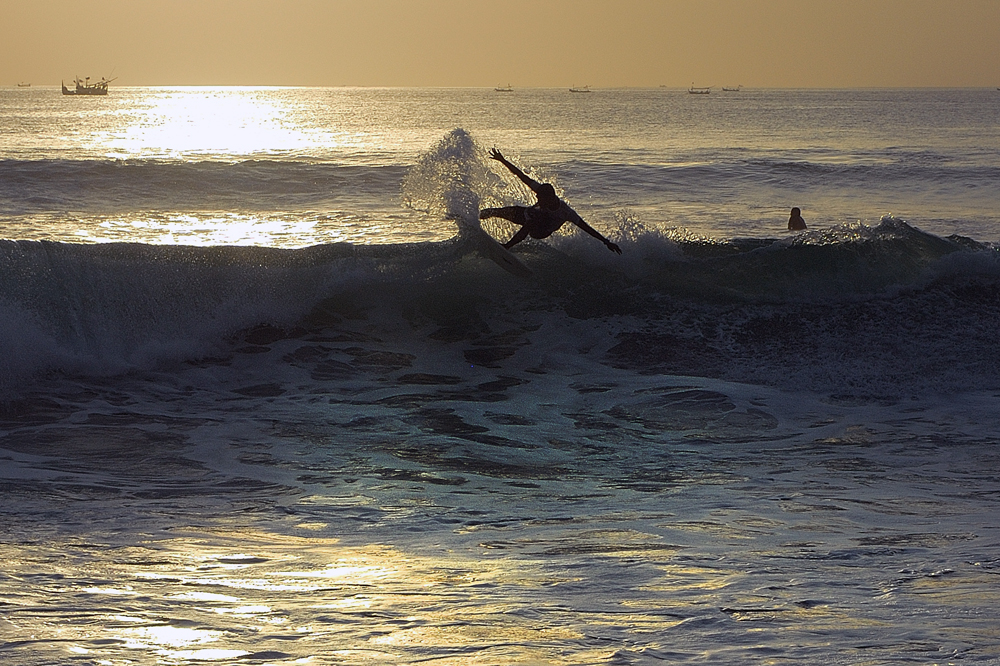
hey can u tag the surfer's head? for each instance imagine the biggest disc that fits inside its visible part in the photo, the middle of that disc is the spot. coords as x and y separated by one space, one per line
547 197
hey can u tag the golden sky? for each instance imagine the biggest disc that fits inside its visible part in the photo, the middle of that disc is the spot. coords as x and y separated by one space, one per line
601 43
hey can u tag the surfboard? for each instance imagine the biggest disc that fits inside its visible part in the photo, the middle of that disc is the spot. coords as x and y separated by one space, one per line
488 247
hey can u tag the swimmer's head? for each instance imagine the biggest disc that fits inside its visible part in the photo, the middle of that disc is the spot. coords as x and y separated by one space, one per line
796 212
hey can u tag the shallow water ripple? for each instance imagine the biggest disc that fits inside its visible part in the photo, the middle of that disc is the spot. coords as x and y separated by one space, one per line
515 515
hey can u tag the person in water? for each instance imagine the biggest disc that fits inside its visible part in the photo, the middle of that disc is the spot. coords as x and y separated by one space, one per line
542 219
795 221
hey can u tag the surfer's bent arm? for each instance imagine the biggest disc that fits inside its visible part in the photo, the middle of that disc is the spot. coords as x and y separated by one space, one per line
578 221
526 179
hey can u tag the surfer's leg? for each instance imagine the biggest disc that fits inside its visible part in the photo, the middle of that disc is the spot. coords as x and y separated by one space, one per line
513 214
521 234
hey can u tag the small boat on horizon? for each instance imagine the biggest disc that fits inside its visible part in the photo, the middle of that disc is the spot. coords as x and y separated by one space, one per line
506 88
85 87
584 89
736 89
23 85
699 91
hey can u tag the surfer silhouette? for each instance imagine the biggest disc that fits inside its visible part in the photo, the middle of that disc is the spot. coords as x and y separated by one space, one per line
795 221
545 217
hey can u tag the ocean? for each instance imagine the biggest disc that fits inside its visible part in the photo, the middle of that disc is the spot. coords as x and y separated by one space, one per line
264 398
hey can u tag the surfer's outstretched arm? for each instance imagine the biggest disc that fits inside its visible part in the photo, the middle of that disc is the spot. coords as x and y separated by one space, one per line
526 179
596 234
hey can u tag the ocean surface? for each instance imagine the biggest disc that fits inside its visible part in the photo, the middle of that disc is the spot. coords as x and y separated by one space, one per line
264 399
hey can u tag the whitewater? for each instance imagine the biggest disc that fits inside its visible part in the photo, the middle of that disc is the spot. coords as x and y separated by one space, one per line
262 399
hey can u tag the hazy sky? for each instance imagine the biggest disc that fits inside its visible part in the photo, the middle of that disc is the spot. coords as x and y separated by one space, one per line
601 43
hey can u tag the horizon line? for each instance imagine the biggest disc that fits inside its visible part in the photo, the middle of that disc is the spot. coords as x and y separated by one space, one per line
525 87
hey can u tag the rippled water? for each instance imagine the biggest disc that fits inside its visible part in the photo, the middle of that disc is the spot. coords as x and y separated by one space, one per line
291 167
591 516
291 415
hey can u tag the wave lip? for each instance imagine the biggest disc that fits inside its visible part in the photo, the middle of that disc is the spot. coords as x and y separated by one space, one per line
848 261
731 310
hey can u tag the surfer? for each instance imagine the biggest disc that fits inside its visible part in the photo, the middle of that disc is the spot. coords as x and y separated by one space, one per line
795 221
545 217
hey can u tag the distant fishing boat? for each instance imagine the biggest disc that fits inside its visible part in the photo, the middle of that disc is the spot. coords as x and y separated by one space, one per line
584 89
505 88
23 85
85 87
699 91
736 89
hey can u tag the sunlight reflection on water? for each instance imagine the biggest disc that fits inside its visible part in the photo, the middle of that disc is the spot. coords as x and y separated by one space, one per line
374 602
557 592
178 122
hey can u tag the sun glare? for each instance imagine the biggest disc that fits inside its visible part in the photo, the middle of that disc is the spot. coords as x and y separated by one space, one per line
177 122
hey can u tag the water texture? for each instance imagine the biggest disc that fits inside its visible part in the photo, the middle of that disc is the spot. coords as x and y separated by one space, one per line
264 401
